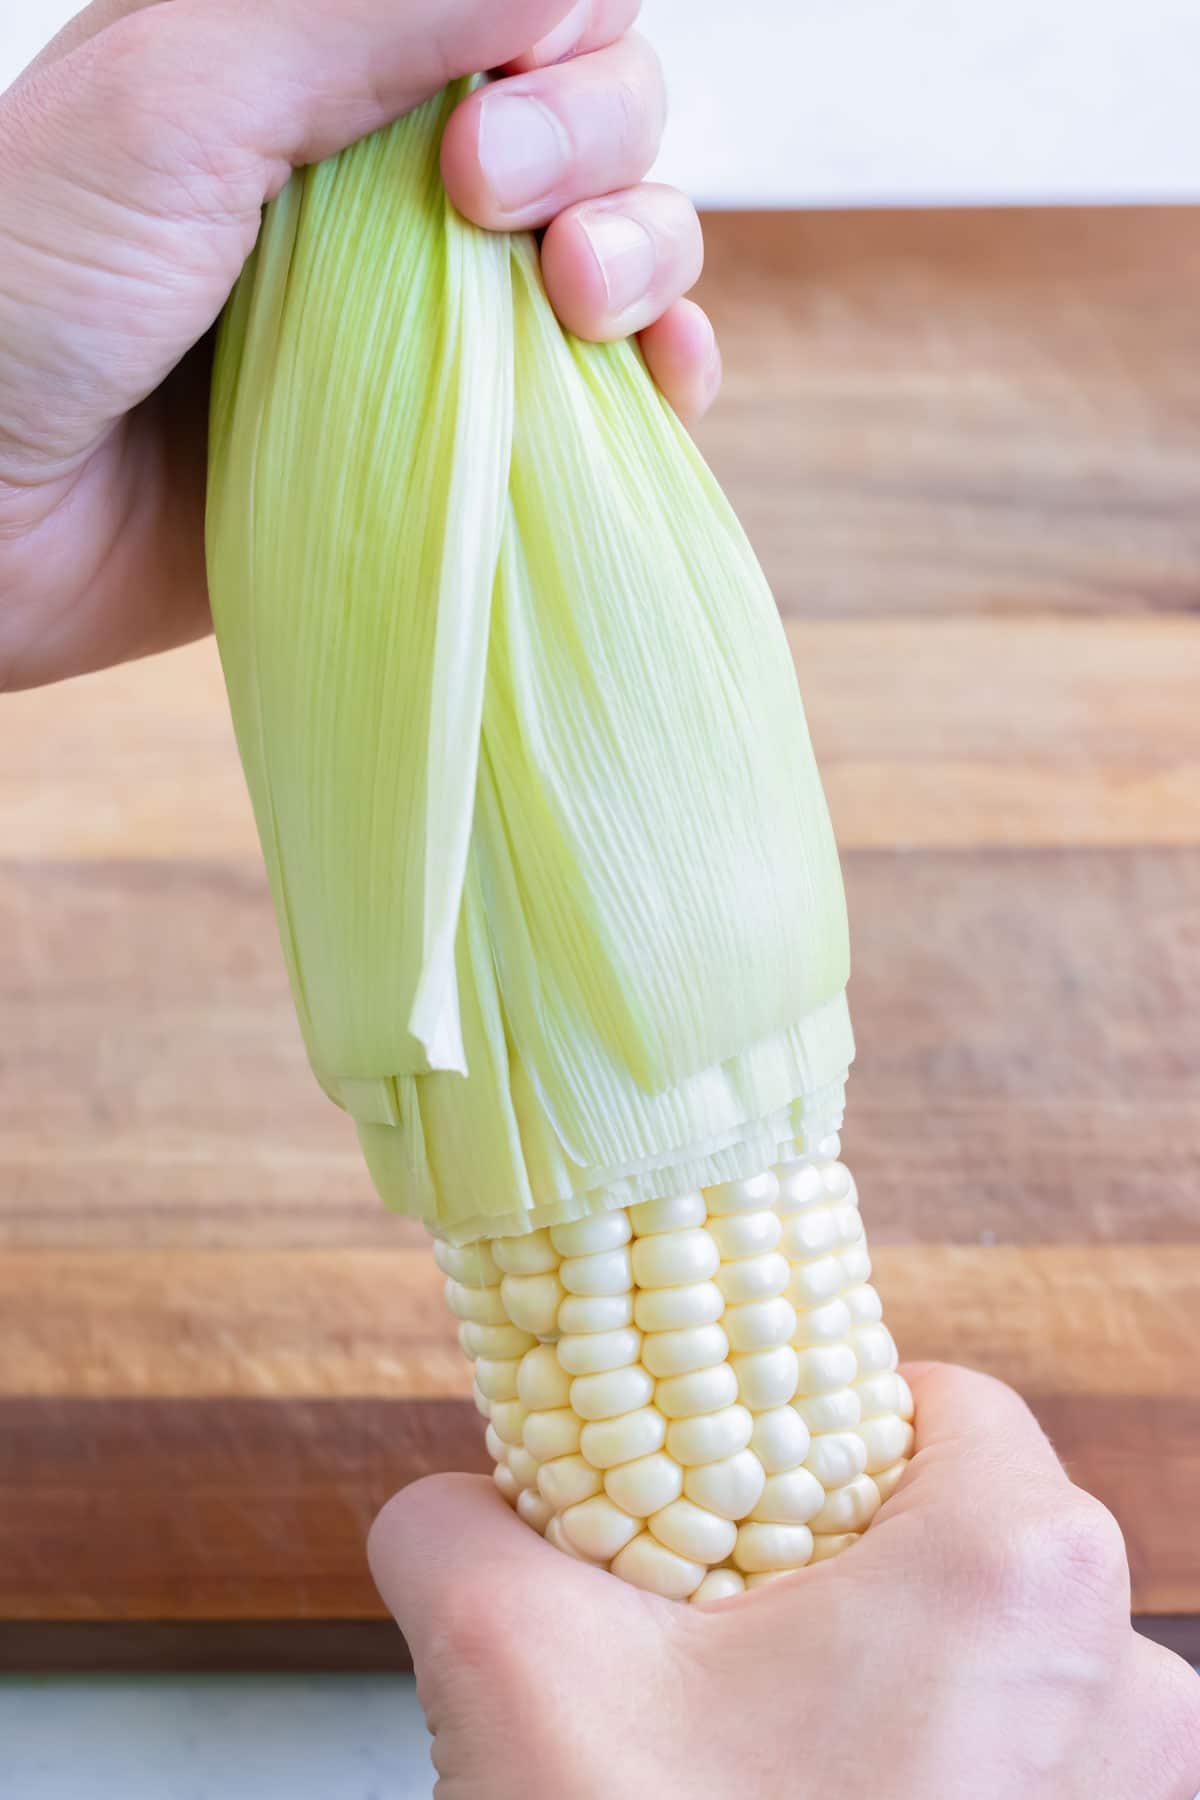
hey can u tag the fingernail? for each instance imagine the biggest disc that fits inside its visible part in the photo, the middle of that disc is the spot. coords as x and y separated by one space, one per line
562 40
522 150
625 252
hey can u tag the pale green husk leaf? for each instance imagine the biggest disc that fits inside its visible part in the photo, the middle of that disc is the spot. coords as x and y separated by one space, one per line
553 870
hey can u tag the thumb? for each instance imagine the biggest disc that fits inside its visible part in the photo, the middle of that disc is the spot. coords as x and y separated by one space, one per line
459 1571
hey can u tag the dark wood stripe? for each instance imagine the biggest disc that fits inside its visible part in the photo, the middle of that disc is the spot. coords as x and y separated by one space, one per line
288 1646
248 1510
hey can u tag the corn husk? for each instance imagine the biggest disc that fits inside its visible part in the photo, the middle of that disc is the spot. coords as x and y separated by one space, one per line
553 870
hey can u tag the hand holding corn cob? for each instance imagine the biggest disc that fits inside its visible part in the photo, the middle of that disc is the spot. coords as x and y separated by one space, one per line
135 157
555 879
977 1646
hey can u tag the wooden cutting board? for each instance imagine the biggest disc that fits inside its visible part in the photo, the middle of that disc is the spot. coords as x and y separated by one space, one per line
968 447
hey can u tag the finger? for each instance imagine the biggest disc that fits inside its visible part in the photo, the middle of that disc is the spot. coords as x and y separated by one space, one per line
589 25
307 78
683 355
613 266
449 1554
519 152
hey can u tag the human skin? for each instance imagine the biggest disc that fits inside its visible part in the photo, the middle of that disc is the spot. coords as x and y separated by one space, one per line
976 1645
135 157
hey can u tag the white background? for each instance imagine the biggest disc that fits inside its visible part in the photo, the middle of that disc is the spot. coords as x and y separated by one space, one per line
781 102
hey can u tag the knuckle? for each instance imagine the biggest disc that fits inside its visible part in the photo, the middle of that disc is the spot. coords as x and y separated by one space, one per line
1059 1556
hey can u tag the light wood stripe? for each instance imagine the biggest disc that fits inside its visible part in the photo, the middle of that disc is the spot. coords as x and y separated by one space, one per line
1057 1319
942 733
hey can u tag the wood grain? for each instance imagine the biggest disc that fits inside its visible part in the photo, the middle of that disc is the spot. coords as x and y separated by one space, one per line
1028 1042
311 1324
1085 733
256 1509
962 412
968 449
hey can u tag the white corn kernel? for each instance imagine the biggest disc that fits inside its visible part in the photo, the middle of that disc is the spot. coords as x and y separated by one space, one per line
676 1214
809 1233
888 1480
616 1391
597 1528
794 1497
848 1228
609 1442
719 1584
533 1254
839 1183
856 1264
484 1306
472 1264
873 1349
849 1508
694 1533
764 1577
582 1313
600 1231
607 1272
758 1194
557 1536
550 1434
542 1382
679 1352
839 1411
800 1186
886 1440
760 1324
523 1466
678 1308
766 1378
826 1546
645 1486
497 1449
532 1302
762 1547
825 1368
494 1340
812 1283
905 1405
708 1437
730 1488
879 1395
703 1391
780 1440
754 1278
863 1304
533 1509
675 1259
483 1406
567 1480
508 1420
745 1234
836 1457
497 1380
828 1324
596 1351
506 1481
646 1563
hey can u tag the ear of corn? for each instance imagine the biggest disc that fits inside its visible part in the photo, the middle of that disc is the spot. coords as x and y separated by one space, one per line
554 876
549 853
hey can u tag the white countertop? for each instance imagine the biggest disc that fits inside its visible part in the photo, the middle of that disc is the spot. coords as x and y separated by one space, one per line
209 1737
777 103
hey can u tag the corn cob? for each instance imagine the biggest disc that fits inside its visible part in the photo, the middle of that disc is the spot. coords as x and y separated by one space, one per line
555 880
697 1392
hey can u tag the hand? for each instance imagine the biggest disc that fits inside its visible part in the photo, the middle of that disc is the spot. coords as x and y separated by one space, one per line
135 157
975 1646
